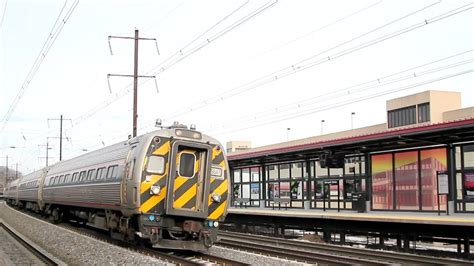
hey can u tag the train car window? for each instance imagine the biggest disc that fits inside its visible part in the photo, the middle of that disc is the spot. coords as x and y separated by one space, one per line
100 172
156 165
112 171
74 177
90 174
186 165
61 179
82 176
67 178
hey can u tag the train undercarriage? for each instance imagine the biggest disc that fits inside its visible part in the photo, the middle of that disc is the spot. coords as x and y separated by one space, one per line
165 232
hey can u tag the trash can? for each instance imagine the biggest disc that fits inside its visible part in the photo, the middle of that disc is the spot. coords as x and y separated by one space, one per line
359 203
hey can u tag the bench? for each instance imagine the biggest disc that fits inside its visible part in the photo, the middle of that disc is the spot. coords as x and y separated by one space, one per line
280 201
239 202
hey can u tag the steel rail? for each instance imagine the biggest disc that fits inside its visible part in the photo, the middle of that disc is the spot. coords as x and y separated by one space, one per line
219 260
382 256
294 254
40 254
173 257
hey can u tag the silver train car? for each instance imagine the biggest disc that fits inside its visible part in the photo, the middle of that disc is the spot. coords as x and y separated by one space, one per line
170 187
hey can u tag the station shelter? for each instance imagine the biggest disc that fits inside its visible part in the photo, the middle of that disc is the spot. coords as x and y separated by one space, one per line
421 160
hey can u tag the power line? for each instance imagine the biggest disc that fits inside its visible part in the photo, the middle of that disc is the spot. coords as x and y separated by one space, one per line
128 88
50 40
308 63
326 26
180 51
360 87
3 13
344 103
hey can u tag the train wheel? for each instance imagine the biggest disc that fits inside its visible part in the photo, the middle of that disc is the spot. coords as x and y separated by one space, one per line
130 237
56 216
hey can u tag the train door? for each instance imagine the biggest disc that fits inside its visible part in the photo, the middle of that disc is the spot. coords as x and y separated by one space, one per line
189 179
41 183
129 186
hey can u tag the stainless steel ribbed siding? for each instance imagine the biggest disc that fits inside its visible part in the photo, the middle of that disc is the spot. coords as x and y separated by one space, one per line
97 195
29 193
12 192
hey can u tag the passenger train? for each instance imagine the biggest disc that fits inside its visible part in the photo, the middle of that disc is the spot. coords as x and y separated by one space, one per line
169 187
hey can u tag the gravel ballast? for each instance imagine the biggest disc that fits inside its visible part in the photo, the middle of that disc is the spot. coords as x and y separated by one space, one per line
69 246
76 249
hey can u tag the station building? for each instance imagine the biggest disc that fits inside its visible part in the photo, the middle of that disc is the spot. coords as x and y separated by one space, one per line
421 160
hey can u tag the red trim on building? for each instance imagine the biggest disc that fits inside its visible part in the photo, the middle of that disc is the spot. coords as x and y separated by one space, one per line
372 136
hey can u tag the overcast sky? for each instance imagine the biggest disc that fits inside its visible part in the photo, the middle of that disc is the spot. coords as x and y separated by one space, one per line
239 70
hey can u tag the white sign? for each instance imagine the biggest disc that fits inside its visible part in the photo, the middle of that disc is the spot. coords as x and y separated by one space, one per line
443 187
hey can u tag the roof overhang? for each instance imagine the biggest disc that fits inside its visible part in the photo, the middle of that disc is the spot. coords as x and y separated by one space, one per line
445 133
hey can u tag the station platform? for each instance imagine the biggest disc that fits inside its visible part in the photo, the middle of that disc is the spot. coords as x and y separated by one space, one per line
403 228
431 218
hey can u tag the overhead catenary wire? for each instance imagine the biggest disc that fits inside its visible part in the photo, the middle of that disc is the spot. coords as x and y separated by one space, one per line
309 63
280 111
351 91
294 69
109 141
199 36
50 40
3 13
340 104
332 23
359 87
127 89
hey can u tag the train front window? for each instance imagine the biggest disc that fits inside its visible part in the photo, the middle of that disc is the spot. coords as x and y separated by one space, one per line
186 165
156 165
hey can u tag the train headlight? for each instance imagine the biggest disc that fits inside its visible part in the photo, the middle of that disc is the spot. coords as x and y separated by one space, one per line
216 197
216 224
151 217
155 190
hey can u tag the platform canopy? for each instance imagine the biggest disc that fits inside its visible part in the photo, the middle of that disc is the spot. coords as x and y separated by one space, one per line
445 133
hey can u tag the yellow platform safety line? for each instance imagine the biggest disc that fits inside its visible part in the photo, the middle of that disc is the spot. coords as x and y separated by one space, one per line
221 189
163 149
153 201
145 185
218 212
181 201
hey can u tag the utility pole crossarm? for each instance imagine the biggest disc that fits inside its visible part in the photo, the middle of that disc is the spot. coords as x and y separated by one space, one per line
129 76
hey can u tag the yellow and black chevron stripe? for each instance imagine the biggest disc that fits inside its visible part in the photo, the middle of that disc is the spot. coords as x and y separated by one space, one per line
186 189
155 203
216 210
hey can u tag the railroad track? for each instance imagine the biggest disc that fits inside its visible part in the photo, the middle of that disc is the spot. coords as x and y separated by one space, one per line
175 257
39 254
324 253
